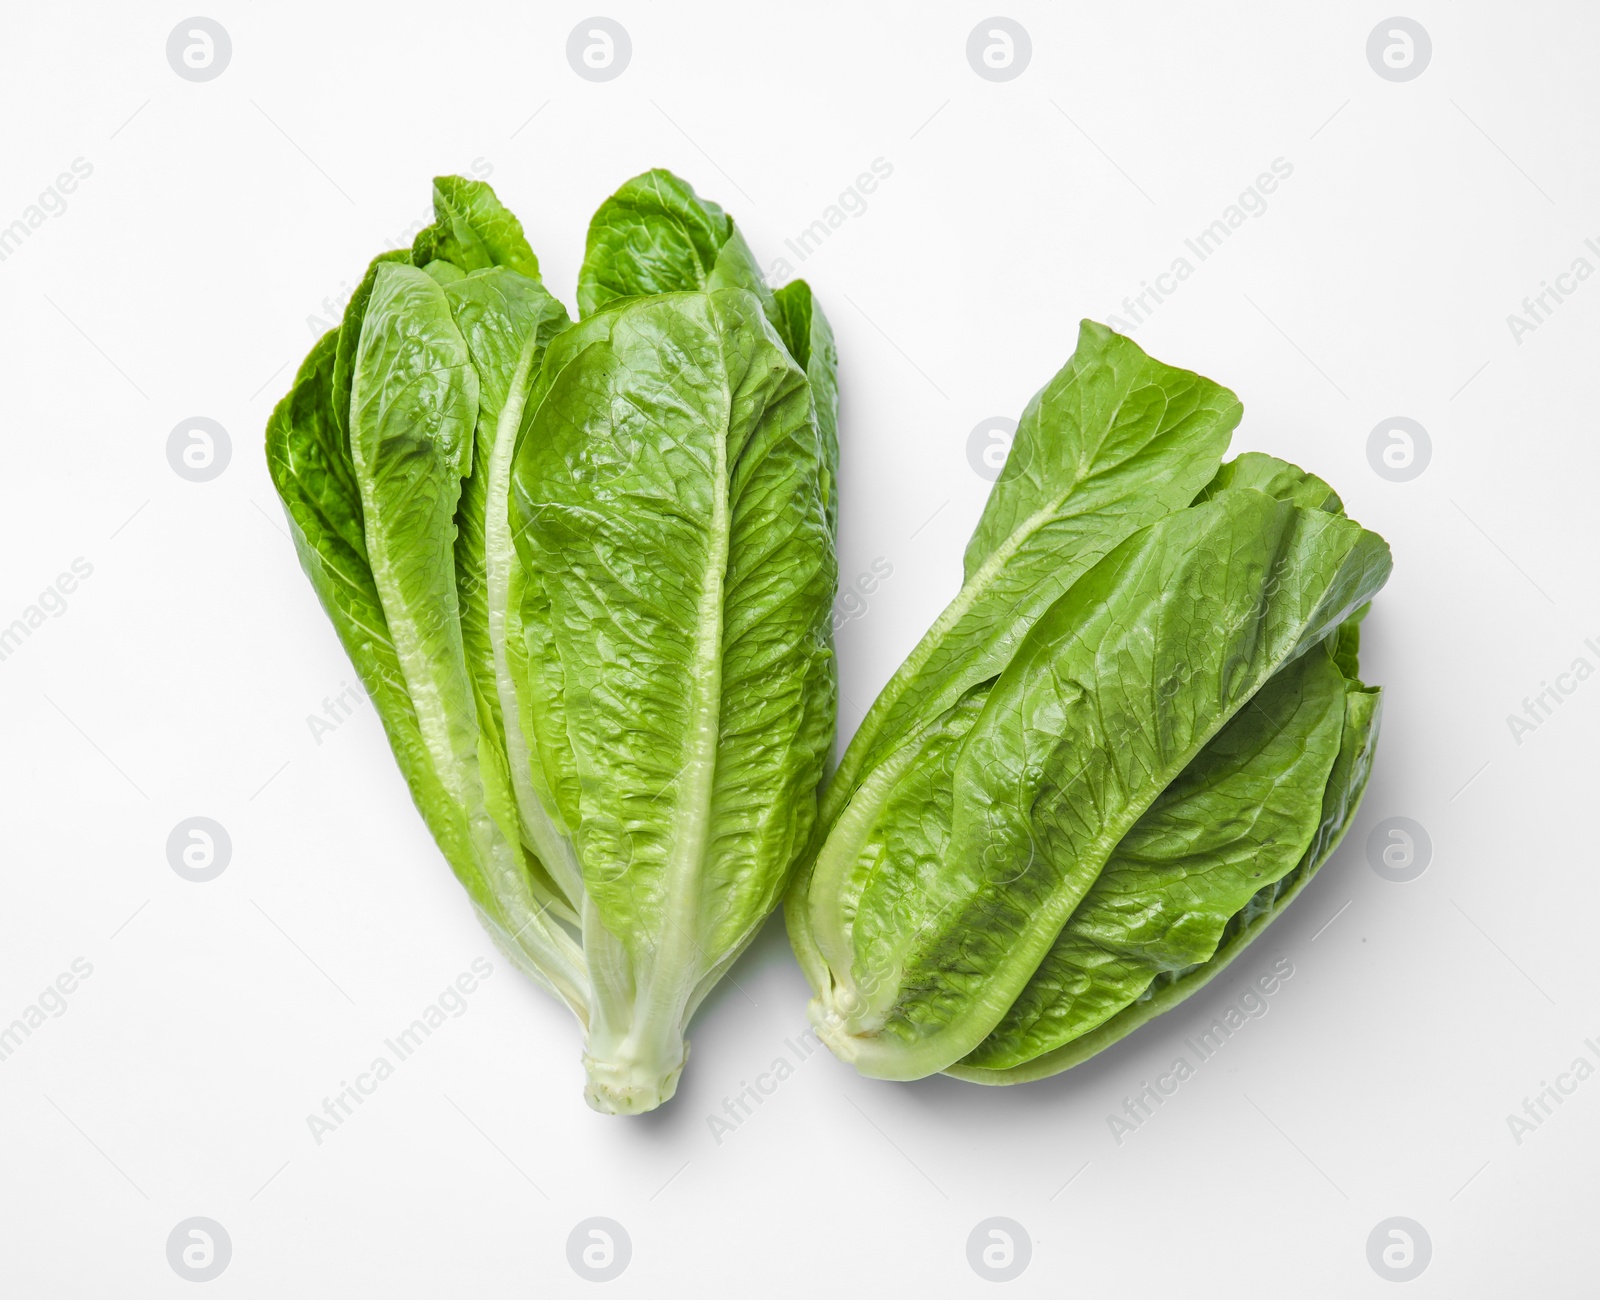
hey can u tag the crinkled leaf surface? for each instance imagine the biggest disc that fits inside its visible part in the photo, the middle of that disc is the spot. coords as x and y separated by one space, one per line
656 235
506 320
473 230
1340 799
1245 815
805 331
638 669
1277 478
308 458
1115 692
1239 818
669 508
1114 442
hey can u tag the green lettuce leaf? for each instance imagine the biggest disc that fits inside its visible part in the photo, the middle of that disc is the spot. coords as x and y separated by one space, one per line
669 510
1239 818
367 452
1208 855
928 946
1114 442
1277 478
472 230
506 321
656 235
1341 797
806 333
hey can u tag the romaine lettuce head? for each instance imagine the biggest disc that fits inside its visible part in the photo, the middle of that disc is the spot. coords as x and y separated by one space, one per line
1130 740
585 570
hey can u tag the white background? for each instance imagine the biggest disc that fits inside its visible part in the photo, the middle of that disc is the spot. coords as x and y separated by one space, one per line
178 680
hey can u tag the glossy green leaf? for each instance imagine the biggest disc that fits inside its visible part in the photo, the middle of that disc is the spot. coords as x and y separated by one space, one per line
472 230
669 509
1341 797
1277 478
1238 819
310 467
614 706
506 321
1114 442
349 339
656 235
413 412
806 333
1117 689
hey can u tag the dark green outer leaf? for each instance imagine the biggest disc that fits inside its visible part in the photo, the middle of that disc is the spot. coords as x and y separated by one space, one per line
1239 818
1346 784
306 455
312 456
